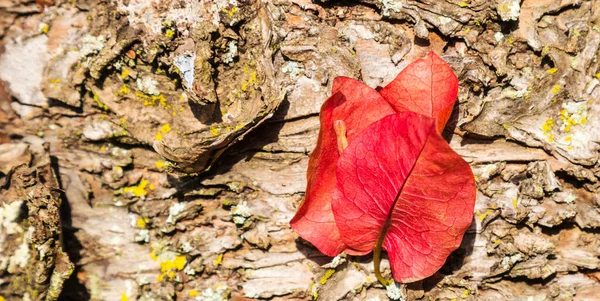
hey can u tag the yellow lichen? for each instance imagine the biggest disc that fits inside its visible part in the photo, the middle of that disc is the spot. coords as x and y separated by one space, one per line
463 4
547 128
124 297
177 263
556 89
230 12
158 137
548 125
219 259
193 293
137 190
165 128
152 100
160 164
515 203
485 214
573 114
326 277
44 30
124 73
252 80
214 131
598 75
123 90
99 103
141 222
466 293
552 71
153 256
169 33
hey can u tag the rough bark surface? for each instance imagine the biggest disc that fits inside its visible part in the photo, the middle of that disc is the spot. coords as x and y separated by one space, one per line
156 150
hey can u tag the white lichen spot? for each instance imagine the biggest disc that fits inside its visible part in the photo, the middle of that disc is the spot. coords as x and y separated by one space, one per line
336 261
91 45
239 220
498 36
575 62
187 247
189 271
570 198
573 113
487 171
391 5
148 86
175 210
143 236
43 27
219 293
508 261
231 53
294 69
19 258
394 292
185 64
240 213
9 214
509 10
444 20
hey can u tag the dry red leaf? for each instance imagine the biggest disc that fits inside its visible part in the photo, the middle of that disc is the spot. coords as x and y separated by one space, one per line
427 86
400 180
357 106
398 184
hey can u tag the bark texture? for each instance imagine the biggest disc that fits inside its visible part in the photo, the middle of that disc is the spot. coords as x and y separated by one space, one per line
156 150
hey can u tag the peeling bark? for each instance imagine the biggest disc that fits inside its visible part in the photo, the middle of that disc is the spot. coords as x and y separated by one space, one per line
156 150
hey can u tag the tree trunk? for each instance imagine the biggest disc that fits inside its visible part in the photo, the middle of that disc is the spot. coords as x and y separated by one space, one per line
156 150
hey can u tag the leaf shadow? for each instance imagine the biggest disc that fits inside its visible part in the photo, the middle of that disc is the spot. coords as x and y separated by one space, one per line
452 123
456 260
311 252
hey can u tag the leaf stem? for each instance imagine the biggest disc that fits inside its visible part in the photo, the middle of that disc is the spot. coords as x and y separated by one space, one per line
377 255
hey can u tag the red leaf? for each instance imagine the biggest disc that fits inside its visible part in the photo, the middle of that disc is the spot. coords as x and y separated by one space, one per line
357 106
427 86
399 178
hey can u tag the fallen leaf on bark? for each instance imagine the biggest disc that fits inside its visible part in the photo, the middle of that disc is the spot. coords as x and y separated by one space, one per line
400 182
394 182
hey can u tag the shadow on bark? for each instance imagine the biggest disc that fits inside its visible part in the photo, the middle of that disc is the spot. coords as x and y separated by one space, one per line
73 289
244 150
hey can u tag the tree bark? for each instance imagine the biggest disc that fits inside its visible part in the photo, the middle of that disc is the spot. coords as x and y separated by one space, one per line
156 150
